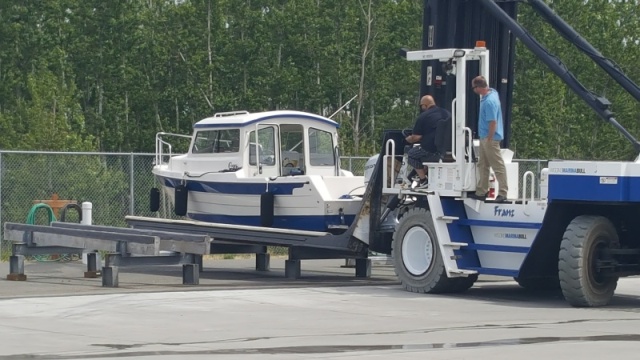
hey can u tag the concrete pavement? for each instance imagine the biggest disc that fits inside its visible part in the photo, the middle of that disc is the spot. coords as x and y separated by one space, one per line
66 278
308 320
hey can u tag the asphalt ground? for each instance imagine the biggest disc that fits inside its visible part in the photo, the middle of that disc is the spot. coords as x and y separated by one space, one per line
66 278
238 313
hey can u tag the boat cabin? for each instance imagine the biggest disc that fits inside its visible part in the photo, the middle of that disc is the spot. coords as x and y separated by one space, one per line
288 143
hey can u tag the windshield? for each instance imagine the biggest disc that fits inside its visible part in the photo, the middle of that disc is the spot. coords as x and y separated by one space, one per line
216 141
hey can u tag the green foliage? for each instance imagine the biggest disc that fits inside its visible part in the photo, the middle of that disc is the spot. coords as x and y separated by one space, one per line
51 119
552 122
108 75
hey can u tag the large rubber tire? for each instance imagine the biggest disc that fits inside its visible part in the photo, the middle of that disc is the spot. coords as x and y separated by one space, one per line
463 284
581 284
416 225
539 284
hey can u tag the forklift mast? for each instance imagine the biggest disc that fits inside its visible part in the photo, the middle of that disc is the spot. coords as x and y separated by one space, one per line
459 24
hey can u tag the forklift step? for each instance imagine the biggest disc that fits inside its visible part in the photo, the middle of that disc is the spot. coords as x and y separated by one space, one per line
463 272
455 245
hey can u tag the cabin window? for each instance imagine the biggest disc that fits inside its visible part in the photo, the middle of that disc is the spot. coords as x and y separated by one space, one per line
266 146
321 148
216 141
291 147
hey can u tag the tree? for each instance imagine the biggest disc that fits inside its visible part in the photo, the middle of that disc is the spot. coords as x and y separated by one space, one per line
552 122
134 68
50 117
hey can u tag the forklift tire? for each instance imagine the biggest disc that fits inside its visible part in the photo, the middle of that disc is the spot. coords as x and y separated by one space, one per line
417 259
463 284
539 284
581 284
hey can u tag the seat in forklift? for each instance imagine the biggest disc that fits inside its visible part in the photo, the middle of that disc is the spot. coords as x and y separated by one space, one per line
443 139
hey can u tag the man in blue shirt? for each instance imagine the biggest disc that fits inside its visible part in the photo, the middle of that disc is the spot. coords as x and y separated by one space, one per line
490 131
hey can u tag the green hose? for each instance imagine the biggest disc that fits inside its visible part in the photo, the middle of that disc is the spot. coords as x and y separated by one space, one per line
31 219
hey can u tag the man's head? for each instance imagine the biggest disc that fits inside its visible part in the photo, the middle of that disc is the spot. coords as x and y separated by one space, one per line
426 102
479 85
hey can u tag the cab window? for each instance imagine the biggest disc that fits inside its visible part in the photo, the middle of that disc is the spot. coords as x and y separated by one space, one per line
266 146
292 147
321 148
216 141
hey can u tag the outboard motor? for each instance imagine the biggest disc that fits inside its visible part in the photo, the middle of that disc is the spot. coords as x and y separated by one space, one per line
371 164
369 167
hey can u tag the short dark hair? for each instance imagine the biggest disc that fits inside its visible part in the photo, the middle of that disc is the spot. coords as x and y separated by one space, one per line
480 82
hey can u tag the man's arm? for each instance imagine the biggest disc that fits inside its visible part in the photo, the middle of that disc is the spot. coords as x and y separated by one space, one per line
492 115
417 132
492 129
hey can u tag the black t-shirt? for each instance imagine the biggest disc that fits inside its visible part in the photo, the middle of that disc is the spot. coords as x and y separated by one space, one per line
426 125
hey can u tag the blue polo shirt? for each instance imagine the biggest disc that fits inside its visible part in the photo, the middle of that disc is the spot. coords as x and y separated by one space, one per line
490 110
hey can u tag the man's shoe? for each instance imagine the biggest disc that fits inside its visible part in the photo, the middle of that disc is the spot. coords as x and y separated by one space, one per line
423 184
473 195
500 199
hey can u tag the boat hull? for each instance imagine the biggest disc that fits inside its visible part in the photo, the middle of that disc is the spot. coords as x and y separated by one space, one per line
299 202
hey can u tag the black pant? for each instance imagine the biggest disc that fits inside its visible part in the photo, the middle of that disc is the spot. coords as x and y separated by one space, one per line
417 155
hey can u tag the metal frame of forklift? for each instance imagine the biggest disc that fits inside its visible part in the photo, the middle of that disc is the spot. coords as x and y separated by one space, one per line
493 21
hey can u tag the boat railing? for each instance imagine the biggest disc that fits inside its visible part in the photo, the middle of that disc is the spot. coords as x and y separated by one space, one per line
162 144
231 113
531 175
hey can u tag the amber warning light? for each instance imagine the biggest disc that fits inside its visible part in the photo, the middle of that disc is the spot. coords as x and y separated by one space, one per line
481 44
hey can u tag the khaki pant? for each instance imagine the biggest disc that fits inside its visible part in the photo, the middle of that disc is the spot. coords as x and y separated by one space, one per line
489 156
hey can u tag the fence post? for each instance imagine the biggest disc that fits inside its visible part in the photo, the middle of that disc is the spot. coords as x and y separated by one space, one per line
131 190
1 204
351 163
539 176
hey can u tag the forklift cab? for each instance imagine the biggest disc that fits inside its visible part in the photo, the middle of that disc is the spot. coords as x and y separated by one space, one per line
458 174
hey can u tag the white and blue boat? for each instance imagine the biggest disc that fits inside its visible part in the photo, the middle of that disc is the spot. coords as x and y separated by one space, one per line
288 176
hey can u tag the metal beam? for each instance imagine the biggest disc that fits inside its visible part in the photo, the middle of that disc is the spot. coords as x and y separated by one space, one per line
23 249
169 241
39 235
163 235
253 235
119 260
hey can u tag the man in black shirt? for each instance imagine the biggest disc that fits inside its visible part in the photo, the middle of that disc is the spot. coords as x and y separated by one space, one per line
424 131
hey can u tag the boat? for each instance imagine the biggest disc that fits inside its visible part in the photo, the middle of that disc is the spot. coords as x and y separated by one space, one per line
288 176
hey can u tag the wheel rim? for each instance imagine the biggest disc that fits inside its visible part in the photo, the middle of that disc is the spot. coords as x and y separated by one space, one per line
598 281
417 251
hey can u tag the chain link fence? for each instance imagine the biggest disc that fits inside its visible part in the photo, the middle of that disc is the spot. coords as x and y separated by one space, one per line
117 184
535 166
